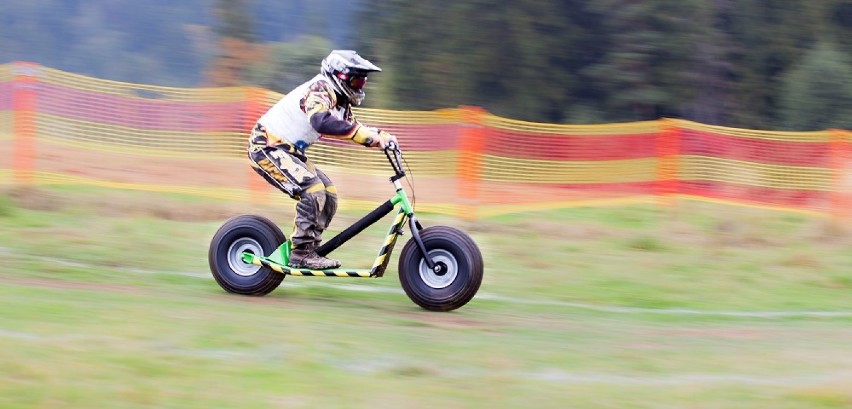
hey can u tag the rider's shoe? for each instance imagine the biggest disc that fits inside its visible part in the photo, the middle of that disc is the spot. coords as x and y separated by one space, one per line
307 257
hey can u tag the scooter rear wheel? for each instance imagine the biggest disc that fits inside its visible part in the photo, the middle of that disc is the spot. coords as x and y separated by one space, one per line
245 233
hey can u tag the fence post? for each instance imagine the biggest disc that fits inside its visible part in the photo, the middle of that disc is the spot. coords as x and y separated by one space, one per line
255 105
471 144
24 126
668 162
841 183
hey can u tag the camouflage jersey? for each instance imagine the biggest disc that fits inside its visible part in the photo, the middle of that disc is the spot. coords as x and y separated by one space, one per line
307 113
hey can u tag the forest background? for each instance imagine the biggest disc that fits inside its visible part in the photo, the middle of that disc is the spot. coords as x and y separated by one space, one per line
762 64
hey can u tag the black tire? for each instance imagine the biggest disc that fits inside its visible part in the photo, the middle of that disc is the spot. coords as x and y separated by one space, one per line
245 233
461 273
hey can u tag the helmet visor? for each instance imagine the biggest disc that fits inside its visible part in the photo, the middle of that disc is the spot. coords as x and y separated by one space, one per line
357 82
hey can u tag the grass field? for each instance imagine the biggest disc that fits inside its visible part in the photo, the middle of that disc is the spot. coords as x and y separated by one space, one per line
106 302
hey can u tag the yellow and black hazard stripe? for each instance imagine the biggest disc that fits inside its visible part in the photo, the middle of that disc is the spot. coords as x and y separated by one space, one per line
379 265
311 273
384 256
329 273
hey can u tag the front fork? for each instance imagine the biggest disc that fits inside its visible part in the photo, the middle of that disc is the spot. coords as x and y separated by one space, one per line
415 233
402 199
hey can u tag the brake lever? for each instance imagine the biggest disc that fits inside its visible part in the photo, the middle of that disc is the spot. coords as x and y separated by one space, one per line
395 159
392 146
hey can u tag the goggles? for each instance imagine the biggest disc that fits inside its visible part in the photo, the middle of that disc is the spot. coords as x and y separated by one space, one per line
356 82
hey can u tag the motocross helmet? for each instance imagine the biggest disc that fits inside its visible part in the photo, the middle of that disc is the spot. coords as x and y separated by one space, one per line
348 71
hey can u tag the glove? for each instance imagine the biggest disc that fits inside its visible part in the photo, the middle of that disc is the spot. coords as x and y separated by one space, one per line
385 138
372 137
365 135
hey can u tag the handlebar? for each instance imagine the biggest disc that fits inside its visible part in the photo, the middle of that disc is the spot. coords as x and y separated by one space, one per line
394 155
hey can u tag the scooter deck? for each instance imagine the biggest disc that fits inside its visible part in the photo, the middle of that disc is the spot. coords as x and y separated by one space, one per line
284 269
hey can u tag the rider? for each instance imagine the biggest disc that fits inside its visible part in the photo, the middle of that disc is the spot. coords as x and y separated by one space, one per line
320 107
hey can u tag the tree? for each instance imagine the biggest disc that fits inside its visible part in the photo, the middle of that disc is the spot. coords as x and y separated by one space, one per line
143 42
234 19
290 64
513 59
236 43
818 91
710 75
835 18
644 72
774 35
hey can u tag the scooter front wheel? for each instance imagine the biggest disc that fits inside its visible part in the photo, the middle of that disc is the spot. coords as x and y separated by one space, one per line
458 272
239 234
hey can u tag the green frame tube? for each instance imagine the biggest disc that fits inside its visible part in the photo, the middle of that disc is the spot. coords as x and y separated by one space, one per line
278 260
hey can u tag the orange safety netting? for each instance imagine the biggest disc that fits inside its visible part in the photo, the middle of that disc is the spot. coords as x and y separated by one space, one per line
58 128
5 121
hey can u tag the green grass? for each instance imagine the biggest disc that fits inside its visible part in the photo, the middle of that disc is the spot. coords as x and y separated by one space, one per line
106 309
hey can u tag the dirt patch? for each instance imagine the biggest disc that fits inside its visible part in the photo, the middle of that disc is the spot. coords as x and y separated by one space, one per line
67 285
444 320
137 204
722 333
34 199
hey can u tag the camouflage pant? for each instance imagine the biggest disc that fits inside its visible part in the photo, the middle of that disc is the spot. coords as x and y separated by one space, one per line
293 173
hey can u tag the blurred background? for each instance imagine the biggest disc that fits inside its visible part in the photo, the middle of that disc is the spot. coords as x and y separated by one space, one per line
623 166
760 64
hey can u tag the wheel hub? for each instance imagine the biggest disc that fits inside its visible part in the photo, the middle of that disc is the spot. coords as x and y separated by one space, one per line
440 268
235 256
445 271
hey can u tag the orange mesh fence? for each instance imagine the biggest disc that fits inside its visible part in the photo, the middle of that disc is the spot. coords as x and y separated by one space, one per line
527 165
58 128
6 77
787 169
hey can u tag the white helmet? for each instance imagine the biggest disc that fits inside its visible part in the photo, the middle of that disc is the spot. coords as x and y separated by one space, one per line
348 72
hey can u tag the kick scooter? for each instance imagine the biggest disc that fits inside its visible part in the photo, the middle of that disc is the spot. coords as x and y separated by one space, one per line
440 267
